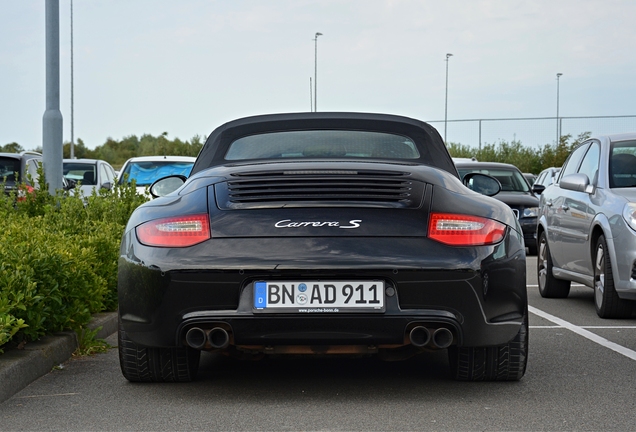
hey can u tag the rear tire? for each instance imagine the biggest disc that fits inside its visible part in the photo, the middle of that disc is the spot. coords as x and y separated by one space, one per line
145 364
505 362
608 303
549 286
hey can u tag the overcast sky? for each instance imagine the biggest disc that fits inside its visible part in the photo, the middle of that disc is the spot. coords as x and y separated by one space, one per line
187 66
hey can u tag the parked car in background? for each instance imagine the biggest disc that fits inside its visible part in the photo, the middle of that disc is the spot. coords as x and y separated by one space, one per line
587 225
323 234
91 174
515 192
145 170
545 179
530 178
17 168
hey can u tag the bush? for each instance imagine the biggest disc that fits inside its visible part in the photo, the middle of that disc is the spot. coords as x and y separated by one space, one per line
59 259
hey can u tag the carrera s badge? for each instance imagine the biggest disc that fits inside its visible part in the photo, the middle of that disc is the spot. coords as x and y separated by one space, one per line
288 223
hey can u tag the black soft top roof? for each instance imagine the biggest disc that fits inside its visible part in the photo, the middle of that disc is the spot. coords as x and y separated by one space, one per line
430 144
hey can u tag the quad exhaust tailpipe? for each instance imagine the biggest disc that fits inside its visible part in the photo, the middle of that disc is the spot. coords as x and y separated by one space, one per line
196 338
440 338
217 338
420 336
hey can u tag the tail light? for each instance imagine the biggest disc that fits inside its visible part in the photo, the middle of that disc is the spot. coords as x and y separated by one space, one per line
180 231
464 230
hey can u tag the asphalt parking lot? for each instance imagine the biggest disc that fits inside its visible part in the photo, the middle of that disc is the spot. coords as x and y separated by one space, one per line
581 376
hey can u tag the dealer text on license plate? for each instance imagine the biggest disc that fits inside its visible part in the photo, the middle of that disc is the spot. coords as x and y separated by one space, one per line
322 296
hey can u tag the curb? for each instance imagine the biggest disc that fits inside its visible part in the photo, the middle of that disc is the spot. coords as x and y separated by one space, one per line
19 368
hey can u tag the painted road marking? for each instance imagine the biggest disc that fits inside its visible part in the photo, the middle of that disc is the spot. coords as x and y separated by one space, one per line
586 327
585 333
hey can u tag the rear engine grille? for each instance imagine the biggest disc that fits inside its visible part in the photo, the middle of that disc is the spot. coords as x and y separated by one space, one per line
304 188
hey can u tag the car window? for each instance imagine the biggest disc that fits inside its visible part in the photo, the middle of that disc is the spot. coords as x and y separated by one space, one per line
103 174
110 173
622 169
32 171
572 163
145 173
323 144
511 180
541 178
81 172
589 165
9 168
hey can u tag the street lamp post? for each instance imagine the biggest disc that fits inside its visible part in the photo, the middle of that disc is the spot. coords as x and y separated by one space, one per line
316 71
446 99
72 153
557 113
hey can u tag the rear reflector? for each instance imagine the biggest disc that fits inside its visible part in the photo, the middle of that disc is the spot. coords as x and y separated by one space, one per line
464 230
180 231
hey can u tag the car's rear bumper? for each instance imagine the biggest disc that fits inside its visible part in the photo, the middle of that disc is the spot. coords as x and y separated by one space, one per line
529 229
477 293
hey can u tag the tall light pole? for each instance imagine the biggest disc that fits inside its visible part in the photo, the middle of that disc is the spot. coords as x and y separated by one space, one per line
446 100
557 113
316 71
72 153
52 126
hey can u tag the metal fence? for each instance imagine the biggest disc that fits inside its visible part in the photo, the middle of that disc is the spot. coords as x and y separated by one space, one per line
533 132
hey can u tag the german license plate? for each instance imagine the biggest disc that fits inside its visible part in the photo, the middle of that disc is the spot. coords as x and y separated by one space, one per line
319 296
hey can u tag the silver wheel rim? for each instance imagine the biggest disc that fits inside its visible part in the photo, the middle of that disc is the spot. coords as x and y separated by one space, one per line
599 276
542 262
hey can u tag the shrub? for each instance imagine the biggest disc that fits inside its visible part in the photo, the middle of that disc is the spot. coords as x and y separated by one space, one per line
59 259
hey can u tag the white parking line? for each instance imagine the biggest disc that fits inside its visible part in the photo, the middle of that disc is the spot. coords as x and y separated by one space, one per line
585 327
586 334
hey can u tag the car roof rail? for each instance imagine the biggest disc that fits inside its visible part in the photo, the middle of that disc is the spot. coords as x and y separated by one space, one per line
30 152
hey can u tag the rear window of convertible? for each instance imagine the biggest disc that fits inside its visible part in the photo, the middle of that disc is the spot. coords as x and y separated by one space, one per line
323 144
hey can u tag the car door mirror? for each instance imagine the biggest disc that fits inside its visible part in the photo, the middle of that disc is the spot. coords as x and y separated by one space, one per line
538 188
482 183
166 185
578 182
107 185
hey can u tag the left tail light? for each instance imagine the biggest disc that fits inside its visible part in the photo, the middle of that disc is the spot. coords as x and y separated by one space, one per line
464 230
180 231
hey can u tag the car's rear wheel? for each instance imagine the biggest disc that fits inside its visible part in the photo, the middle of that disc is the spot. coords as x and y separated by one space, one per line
549 286
505 362
145 364
608 303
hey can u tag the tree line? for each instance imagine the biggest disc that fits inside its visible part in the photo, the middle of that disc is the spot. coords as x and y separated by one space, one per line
527 159
116 152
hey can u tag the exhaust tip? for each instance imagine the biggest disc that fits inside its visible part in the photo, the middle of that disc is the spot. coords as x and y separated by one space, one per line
218 338
196 338
420 336
442 338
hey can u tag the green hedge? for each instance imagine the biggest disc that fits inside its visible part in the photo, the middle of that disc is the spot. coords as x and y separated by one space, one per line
58 259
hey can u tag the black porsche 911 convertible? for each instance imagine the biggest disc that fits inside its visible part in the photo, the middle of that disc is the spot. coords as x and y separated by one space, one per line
323 233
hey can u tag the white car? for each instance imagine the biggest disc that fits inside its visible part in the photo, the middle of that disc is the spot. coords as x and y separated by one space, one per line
145 170
90 174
